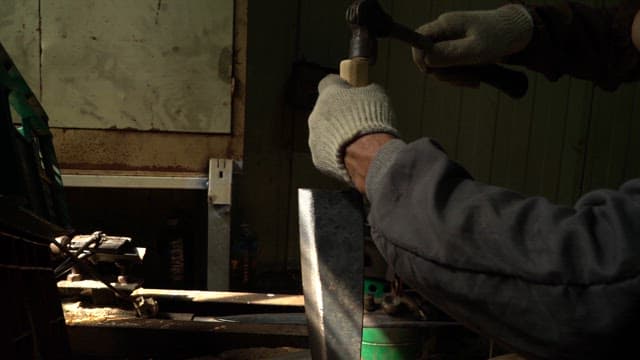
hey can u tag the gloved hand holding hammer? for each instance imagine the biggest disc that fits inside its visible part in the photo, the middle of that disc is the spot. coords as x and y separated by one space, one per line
472 38
343 114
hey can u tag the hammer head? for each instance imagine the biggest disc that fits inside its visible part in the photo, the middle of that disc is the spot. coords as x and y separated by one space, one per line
368 22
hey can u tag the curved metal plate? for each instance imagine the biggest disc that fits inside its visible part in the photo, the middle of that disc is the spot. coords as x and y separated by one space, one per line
332 251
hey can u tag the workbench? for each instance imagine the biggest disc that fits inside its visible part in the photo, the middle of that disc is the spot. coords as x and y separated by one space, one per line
195 323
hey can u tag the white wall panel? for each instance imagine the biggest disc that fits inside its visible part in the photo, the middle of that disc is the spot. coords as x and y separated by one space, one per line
144 65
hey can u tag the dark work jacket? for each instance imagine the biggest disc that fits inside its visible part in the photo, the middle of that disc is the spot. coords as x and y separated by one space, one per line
549 281
584 42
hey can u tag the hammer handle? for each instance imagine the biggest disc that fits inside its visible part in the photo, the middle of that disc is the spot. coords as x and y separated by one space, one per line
511 82
355 71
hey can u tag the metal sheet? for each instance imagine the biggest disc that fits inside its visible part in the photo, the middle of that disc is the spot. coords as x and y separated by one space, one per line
145 65
234 297
331 248
370 320
218 246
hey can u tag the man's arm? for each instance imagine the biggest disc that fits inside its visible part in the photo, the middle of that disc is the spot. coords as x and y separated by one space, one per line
585 42
359 155
549 281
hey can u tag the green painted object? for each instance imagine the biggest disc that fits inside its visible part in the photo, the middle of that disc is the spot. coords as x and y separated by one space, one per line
391 344
388 343
28 148
374 287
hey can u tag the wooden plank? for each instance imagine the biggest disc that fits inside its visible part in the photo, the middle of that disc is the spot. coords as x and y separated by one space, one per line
262 189
378 73
474 144
195 326
159 338
563 162
632 166
311 41
146 65
76 314
324 34
609 138
574 143
335 30
478 114
511 142
621 124
222 297
404 81
547 132
597 129
518 139
442 101
262 206
239 69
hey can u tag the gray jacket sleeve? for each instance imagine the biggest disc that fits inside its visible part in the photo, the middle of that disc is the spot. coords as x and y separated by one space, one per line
546 280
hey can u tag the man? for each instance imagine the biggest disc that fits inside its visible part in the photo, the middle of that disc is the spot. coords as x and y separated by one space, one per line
546 280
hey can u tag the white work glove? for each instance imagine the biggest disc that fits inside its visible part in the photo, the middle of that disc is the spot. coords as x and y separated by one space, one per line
341 115
474 37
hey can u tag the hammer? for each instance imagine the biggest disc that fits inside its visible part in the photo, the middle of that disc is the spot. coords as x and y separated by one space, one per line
369 22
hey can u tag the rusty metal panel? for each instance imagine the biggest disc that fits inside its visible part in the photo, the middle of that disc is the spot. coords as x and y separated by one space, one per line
143 65
107 151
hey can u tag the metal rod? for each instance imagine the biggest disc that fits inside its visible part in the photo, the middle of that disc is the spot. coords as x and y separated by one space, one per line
133 181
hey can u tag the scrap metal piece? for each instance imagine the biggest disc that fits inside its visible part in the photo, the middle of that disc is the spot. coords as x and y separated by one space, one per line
332 252
146 307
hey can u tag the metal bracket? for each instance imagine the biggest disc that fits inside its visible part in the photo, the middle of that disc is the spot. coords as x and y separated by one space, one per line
135 181
220 176
219 223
